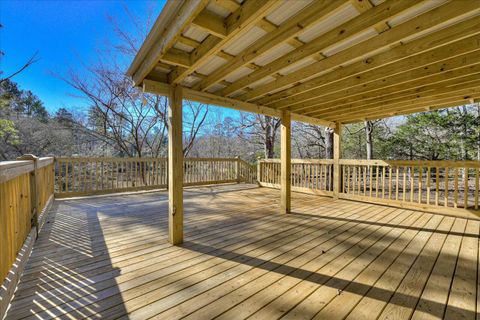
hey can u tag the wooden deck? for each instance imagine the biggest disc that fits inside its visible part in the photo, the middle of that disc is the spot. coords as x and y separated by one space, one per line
109 257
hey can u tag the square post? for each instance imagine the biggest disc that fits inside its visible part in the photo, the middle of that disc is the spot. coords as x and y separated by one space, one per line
337 150
175 166
286 176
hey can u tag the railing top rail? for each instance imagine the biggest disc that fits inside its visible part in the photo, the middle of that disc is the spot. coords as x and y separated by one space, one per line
416 163
300 161
45 161
137 159
12 169
108 158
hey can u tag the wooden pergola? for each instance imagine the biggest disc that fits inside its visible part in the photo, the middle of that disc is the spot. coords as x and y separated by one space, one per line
322 62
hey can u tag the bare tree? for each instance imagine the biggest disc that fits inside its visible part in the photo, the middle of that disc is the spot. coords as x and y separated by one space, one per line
261 129
309 140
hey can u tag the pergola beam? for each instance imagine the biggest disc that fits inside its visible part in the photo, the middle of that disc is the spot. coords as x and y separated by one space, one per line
454 10
405 57
412 106
361 23
408 72
456 89
211 23
168 30
372 59
422 107
208 98
439 81
248 14
286 31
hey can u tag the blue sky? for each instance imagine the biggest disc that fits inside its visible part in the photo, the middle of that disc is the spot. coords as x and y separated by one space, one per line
65 34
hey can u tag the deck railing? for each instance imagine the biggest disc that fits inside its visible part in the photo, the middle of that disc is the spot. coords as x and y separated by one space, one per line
437 186
26 190
424 184
311 176
87 176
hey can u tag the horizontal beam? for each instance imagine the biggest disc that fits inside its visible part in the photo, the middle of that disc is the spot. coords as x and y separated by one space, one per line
426 65
168 32
440 84
247 15
208 98
450 11
454 89
289 29
421 51
366 20
211 23
409 107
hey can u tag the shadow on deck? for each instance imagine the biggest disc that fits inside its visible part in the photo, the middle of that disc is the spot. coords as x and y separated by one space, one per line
109 257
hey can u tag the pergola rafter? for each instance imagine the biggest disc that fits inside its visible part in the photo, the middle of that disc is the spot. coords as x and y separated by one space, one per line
321 62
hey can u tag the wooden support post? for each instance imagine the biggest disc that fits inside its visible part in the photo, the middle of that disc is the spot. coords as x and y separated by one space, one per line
286 165
175 166
337 147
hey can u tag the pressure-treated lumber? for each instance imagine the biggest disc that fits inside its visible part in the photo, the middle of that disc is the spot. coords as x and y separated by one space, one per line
438 46
248 14
168 25
425 21
286 154
208 98
335 61
366 20
393 78
175 166
333 258
286 31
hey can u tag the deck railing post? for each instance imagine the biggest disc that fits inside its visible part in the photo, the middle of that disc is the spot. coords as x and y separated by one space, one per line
237 169
286 163
33 190
259 170
337 148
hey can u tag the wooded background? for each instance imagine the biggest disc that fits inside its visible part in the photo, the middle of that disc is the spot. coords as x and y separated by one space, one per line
120 120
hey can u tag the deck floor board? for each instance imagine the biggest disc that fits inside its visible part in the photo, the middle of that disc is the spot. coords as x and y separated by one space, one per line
109 257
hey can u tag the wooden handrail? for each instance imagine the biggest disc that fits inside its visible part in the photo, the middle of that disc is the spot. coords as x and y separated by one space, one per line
78 176
443 186
26 192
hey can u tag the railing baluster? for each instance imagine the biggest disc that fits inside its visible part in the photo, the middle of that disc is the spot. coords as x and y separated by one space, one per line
437 185
364 180
412 182
370 168
420 183
390 179
477 182
429 176
446 187
383 181
455 188
465 191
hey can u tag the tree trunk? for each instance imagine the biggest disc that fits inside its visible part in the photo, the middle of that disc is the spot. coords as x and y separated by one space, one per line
369 139
328 143
269 139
